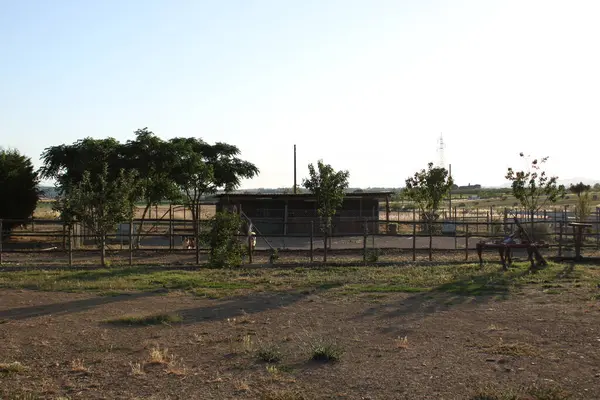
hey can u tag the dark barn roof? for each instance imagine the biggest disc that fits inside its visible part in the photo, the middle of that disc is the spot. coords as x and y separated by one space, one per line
282 196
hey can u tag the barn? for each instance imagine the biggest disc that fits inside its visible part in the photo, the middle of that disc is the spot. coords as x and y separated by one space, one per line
295 214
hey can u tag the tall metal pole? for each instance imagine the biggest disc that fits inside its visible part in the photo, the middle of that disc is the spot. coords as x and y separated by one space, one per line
450 192
294 169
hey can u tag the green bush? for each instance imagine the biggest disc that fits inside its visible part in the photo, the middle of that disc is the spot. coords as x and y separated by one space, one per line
225 248
20 194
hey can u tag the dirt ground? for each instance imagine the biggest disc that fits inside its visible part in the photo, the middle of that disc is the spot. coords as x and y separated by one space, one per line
393 346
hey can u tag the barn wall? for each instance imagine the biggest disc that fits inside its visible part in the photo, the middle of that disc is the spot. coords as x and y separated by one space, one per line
268 215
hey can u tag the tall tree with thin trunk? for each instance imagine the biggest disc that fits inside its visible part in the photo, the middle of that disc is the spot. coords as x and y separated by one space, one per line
201 169
533 188
100 202
583 207
427 189
149 156
329 187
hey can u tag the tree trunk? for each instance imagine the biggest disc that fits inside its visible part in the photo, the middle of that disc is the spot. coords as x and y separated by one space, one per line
532 233
430 243
103 250
325 246
139 234
194 210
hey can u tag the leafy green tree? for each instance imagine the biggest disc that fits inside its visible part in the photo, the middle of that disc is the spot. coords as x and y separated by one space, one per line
67 163
100 202
201 169
533 188
427 189
328 186
19 185
149 155
583 207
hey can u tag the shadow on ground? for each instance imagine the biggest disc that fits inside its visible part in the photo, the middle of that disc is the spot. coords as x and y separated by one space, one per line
468 290
69 307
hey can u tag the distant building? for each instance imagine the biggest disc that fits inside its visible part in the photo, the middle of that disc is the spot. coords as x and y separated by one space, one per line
469 187
292 214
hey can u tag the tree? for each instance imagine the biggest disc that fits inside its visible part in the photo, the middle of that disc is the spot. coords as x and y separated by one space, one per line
583 207
201 169
100 203
67 164
328 186
149 156
20 194
533 188
426 189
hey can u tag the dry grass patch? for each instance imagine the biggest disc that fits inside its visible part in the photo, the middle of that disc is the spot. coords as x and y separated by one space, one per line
77 365
176 367
517 349
159 356
14 367
136 368
402 343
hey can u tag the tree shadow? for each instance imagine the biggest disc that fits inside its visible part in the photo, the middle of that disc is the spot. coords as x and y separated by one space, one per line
69 307
467 290
239 306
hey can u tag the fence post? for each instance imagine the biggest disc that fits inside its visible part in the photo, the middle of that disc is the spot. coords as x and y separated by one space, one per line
70 249
414 246
560 238
130 242
467 242
597 228
1 234
312 227
365 241
249 249
171 227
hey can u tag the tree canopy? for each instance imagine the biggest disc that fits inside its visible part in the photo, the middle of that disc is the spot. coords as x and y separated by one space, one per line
328 186
532 187
427 189
19 183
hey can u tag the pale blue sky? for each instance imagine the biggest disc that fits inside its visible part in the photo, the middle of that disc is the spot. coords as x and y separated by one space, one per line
366 85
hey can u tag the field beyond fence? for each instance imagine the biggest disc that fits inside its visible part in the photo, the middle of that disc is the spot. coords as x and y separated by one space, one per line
390 237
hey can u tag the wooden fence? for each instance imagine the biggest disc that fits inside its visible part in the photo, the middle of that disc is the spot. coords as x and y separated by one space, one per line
161 240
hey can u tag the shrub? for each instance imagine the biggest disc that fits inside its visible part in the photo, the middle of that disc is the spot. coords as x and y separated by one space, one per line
20 194
225 249
373 255
274 256
269 353
325 351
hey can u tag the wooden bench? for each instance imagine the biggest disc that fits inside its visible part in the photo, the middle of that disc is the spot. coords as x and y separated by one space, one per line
504 250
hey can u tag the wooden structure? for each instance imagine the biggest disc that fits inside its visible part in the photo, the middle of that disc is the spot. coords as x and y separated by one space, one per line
294 214
578 236
506 246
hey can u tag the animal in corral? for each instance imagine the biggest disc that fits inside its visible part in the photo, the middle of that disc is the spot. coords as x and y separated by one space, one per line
189 243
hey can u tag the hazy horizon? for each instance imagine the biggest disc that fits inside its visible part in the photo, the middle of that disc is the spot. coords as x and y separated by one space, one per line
365 86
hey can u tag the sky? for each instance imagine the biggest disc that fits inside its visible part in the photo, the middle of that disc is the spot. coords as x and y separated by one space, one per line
365 85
